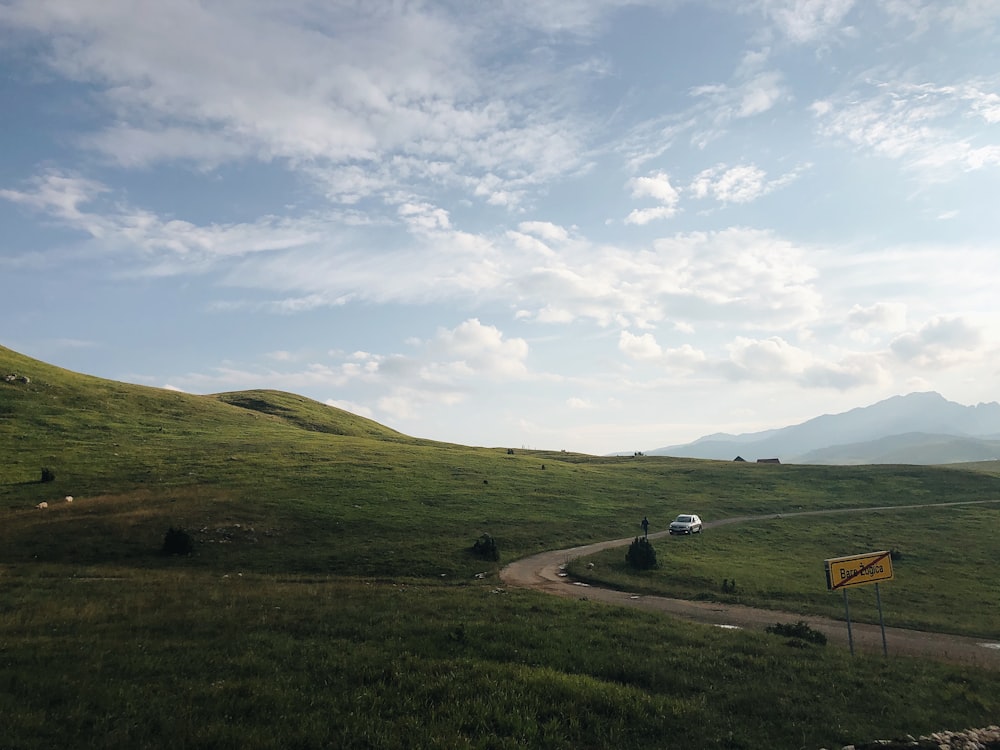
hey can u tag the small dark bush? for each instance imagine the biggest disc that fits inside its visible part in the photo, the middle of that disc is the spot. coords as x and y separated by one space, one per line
177 542
895 554
641 554
799 630
728 587
48 475
486 548
458 633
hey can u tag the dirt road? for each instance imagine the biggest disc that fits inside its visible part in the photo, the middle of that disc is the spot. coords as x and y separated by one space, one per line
543 572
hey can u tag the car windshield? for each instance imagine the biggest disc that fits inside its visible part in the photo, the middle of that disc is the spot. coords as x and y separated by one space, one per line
684 519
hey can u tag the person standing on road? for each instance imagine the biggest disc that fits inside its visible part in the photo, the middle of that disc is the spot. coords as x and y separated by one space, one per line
645 526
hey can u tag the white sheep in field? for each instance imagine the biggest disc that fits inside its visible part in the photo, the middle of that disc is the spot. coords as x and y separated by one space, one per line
42 505
69 498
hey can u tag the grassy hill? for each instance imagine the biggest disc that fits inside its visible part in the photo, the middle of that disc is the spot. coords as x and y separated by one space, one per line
331 598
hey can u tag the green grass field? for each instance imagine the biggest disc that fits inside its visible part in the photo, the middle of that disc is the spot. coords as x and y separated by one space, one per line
947 563
331 599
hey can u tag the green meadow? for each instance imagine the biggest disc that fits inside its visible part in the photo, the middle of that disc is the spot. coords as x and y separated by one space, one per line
331 598
945 567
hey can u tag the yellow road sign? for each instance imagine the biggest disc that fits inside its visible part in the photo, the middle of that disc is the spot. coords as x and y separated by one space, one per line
858 570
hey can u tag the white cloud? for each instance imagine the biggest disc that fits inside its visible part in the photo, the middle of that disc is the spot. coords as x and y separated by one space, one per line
751 94
162 246
60 195
529 244
642 216
552 314
643 347
737 277
740 184
539 238
332 90
968 15
985 104
655 186
961 15
941 342
853 371
805 20
767 358
750 273
315 262
133 147
760 94
924 125
658 187
545 230
483 350
774 360
443 371
401 405
685 357
821 107
424 217
886 316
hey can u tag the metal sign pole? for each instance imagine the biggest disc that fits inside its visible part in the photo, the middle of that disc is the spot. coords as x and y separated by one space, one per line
881 621
855 570
847 612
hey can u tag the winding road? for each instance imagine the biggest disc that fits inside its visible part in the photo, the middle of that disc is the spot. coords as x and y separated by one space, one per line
544 572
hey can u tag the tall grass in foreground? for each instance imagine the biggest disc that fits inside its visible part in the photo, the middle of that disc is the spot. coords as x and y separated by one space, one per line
120 659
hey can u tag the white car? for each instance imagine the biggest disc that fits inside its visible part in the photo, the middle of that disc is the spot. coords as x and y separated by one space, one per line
685 524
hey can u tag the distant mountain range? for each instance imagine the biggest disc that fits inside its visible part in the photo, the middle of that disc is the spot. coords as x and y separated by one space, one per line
920 428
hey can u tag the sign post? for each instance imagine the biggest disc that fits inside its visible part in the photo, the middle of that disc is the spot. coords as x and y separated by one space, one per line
858 570
847 614
881 622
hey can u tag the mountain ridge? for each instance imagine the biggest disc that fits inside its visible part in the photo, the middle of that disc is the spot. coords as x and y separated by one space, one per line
938 430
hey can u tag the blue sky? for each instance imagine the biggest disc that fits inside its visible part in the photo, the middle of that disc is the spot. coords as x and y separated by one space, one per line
589 225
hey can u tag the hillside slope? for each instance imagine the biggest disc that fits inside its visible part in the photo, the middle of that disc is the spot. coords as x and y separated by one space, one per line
273 481
310 415
45 391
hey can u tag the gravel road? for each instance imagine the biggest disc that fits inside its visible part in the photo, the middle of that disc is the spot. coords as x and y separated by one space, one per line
543 572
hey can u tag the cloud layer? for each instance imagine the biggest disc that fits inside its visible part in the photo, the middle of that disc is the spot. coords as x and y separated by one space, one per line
565 218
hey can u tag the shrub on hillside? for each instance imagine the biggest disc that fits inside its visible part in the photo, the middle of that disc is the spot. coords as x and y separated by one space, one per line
799 630
641 554
486 548
47 475
177 542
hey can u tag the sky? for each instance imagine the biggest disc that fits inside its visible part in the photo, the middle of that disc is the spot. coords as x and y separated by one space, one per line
587 225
